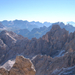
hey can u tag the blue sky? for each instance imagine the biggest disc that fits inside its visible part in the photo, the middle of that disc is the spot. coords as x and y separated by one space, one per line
38 10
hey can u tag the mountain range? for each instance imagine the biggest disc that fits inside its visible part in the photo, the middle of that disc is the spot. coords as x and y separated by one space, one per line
52 54
20 24
33 29
71 23
39 32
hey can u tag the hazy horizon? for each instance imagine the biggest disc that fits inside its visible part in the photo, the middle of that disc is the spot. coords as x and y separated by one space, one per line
39 21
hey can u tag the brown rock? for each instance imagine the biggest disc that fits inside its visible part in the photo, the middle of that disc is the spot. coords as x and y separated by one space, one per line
56 39
45 65
3 71
70 44
22 66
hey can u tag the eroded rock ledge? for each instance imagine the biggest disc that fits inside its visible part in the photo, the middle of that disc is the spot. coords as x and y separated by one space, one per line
22 66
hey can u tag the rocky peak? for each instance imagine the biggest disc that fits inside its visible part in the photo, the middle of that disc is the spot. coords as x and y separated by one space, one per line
10 37
22 66
56 38
55 27
11 34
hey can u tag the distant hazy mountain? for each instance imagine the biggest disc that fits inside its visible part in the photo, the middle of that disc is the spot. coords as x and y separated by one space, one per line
39 32
1 25
36 32
33 29
71 22
23 32
37 23
47 24
68 27
19 24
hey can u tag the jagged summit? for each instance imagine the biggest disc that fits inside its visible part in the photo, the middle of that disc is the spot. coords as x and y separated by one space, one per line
55 27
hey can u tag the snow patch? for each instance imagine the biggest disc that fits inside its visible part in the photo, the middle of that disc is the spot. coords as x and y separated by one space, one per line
63 71
61 53
34 57
11 37
8 65
33 68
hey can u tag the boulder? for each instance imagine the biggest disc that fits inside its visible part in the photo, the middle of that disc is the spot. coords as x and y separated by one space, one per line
22 66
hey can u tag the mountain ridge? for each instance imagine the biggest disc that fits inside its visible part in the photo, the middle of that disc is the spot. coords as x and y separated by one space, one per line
39 32
54 45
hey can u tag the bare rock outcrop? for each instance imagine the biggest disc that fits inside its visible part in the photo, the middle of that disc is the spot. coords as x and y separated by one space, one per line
45 65
3 71
10 37
70 44
22 66
56 38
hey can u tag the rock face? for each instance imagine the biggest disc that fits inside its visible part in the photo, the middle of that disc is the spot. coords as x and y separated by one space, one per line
56 39
22 66
7 41
45 65
3 71
69 45
65 71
